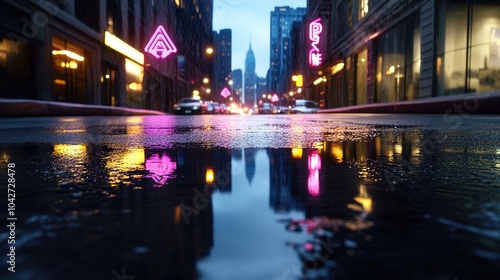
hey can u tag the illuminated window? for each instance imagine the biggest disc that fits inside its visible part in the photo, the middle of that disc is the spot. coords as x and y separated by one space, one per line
363 8
68 72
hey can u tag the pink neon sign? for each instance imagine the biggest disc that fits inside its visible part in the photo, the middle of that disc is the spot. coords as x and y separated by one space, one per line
315 29
225 93
160 45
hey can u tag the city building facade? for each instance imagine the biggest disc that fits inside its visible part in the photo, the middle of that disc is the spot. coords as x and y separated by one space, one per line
237 85
93 51
282 19
382 51
222 70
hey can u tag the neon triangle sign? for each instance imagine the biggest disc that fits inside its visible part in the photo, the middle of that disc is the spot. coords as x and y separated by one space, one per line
160 45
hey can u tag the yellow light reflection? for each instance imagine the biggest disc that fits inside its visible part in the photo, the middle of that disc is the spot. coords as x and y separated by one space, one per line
177 215
209 176
337 152
134 157
398 149
364 199
297 152
71 151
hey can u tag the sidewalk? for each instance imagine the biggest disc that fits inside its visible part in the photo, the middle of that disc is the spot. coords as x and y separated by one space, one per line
470 103
478 103
35 108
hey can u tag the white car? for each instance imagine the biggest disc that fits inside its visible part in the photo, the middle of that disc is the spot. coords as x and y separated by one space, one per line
303 106
188 105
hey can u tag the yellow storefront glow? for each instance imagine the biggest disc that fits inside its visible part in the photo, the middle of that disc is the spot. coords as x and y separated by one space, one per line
118 45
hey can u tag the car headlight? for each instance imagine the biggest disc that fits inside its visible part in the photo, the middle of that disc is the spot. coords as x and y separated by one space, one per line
195 108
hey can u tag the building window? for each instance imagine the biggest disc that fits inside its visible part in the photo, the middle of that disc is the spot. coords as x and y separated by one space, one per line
361 62
68 72
87 11
349 13
134 74
363 8
114 18
468 54
109 84
17 64
398 62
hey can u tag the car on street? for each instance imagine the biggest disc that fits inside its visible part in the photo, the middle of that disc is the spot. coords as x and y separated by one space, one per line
266 108
303 106
208 107
188 106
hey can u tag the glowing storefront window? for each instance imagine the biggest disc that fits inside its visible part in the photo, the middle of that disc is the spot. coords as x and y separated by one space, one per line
315 29
120 46
133 78
68 72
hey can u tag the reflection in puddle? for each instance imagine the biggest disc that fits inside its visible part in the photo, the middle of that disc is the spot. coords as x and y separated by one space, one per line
332 209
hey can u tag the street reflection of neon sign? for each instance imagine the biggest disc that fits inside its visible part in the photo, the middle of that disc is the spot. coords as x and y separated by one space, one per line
161 168
314 165
160 45
315 29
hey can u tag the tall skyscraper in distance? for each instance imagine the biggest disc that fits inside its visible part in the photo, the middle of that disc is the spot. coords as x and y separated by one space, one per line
249 97
222 67
282 19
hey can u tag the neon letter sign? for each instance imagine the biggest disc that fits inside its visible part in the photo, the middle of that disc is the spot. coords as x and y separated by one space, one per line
160 45
315 29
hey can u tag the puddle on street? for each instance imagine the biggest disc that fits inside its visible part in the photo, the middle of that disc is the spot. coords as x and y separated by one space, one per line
402 204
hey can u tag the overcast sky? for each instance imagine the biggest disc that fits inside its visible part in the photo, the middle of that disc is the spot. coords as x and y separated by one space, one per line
249 21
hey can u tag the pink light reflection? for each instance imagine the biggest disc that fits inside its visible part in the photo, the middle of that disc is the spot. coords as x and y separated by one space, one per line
314 165
161 168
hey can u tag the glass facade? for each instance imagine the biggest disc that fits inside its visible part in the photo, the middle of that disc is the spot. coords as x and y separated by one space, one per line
134 74
468 54
398 62
361 61
68 72
17 74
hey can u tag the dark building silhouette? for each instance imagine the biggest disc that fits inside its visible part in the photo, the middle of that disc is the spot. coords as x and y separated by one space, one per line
93 51
222 72
396 51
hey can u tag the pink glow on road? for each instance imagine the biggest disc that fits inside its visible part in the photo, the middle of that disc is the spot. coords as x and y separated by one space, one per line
161 168
160 45
314 165
315 29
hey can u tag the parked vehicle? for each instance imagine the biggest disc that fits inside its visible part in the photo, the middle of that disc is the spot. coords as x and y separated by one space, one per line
188 105
267 108
208 107
303 106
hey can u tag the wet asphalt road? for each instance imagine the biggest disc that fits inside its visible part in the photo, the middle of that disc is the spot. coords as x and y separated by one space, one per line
318 196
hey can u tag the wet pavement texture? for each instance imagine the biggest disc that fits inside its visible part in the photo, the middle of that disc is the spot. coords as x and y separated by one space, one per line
253 197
